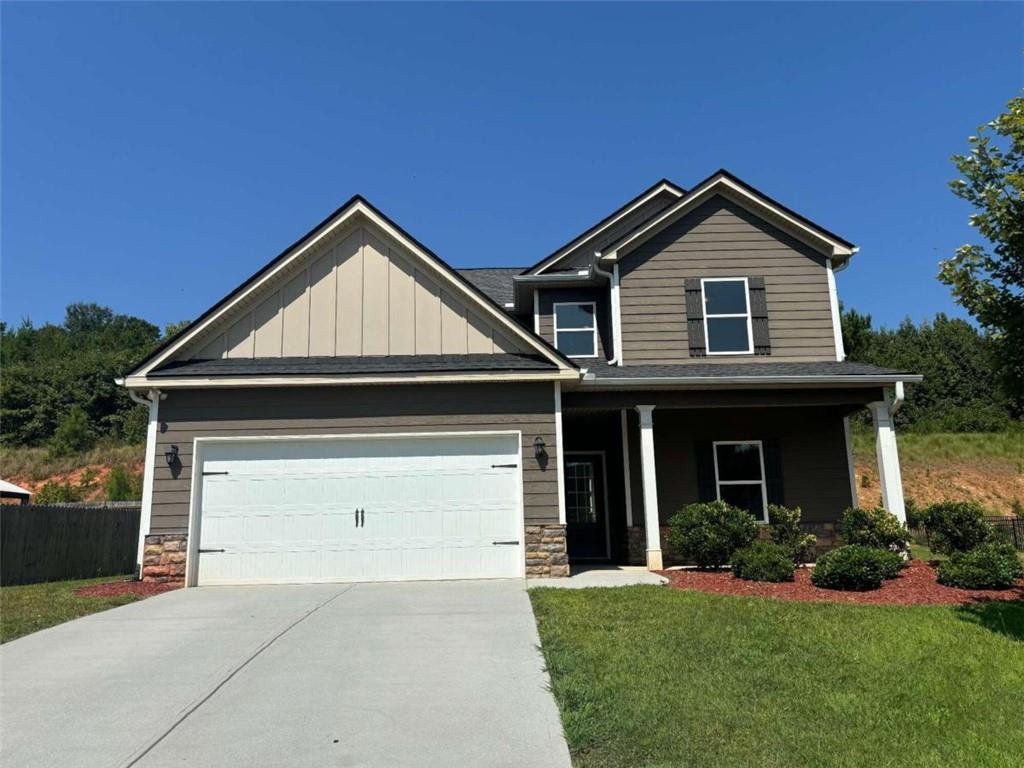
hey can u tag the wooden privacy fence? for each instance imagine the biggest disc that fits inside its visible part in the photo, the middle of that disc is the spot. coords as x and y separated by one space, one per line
52 543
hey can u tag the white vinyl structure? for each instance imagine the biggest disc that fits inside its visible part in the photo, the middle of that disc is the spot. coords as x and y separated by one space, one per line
367 508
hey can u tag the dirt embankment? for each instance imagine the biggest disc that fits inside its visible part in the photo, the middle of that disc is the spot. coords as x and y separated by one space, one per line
995 485
95 474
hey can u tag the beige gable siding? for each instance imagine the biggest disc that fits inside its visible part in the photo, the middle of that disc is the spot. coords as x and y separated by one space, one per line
720 239
359 294
583 254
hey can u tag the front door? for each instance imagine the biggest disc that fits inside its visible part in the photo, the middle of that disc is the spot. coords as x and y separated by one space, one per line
585 508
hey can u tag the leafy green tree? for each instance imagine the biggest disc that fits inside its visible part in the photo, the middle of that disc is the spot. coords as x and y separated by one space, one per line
989 283
123 485
73 435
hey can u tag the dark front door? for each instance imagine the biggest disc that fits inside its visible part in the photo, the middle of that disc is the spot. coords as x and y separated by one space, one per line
585 512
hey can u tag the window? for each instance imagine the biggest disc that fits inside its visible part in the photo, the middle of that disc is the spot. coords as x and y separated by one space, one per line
576 329
727 316
739 476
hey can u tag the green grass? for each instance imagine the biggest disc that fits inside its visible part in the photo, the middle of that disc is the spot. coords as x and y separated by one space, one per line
649 676
31 607
1004 447
35 464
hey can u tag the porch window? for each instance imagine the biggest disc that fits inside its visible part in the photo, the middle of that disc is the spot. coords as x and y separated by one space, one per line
576 329
727 327
740 476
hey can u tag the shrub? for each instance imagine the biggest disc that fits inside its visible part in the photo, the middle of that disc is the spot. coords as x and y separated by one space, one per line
784 529
992 565
874 528
123 485
956 526
53 492
73 434
892 563
853 568
709 533
763 561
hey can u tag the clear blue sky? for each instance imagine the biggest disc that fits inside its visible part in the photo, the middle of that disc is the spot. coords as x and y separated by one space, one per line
154 155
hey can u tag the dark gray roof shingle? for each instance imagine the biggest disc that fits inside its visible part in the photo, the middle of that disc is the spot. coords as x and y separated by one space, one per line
494 282
355 366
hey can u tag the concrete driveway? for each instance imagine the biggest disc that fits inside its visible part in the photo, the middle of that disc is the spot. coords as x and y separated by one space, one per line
413 674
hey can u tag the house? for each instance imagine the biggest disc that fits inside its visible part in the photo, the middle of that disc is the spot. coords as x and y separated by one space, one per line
359 410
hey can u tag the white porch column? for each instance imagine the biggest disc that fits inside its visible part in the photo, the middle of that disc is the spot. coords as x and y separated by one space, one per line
147 474
888 459
650 485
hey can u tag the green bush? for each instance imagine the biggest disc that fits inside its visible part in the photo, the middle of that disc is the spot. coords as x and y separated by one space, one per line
892 563
73 434
992 565
784 529
123 485
853 568
763 561
53 492
874 528
709 533
956 526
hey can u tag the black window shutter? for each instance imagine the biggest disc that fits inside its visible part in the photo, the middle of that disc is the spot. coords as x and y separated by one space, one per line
759 316
705 461
773 471
695 317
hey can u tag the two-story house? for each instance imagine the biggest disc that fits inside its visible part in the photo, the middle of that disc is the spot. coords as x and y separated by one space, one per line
358 410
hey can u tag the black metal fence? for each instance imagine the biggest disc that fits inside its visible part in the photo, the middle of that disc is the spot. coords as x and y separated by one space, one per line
1010 528
67 541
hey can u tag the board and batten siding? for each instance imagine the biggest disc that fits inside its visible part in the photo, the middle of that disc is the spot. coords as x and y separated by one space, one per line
358 294
270 412
548 297
721 239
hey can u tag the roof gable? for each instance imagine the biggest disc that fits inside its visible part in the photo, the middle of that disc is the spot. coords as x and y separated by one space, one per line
757 203
357 284
641 208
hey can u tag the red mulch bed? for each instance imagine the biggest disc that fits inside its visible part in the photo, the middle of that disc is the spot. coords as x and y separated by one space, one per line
916 585
117 588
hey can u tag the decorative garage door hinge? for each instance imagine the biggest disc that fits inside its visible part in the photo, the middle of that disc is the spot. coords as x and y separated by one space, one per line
206 474
504 466
512 543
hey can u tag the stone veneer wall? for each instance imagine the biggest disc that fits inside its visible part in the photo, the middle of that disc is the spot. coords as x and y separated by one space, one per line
163 559
545 551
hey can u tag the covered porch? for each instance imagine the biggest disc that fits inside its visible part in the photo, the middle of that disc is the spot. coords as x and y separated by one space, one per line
634 458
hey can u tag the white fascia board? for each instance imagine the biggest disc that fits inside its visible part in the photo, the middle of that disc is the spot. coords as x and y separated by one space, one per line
559 255
757 381
192 382
813 237
344 217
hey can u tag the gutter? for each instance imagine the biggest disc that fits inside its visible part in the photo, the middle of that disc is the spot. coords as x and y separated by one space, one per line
593 381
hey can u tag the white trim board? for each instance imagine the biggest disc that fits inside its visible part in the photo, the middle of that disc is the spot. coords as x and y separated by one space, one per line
199 443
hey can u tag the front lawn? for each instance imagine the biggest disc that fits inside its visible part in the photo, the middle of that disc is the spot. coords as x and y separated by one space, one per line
649 676
31 607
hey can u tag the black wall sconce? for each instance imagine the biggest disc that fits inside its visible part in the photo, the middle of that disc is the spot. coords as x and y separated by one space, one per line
171 455
539 448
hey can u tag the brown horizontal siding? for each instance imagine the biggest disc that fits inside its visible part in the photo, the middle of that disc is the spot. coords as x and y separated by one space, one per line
185 416
720 239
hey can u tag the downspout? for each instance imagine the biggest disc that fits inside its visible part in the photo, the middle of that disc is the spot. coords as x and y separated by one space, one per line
897 398
613 280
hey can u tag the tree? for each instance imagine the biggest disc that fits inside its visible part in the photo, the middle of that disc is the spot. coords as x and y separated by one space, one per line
990 283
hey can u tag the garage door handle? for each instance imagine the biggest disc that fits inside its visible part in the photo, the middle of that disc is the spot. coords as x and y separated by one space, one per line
362 518
505 542
203 551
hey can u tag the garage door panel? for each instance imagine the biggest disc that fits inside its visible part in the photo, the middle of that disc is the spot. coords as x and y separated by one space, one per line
432 508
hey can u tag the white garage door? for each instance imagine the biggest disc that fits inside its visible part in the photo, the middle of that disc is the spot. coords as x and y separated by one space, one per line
360 509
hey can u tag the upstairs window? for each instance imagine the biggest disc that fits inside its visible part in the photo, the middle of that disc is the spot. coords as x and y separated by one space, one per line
740 476
727 327
576 329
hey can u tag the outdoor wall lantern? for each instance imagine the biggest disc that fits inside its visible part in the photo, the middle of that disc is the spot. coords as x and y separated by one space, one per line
539 448
171 455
